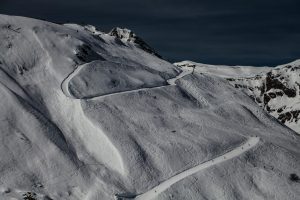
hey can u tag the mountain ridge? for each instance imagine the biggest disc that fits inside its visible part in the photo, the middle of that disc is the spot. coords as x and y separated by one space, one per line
273 88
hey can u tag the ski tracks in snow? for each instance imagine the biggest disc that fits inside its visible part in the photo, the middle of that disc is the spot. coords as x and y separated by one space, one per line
152 193
155 191
181 75
66 81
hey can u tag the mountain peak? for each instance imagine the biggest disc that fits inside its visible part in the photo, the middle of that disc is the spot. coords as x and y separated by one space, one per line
123 34
127 35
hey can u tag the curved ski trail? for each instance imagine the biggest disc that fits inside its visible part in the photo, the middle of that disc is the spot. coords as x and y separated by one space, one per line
181 75
100 141
155 191
66 81
152 193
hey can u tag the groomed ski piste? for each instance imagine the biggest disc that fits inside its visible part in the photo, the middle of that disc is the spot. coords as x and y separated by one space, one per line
151 194
65 84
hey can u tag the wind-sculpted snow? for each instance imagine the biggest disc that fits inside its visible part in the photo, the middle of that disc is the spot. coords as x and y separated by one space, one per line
85 115
9 82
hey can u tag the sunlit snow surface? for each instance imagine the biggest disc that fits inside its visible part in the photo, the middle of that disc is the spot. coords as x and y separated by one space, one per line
87 116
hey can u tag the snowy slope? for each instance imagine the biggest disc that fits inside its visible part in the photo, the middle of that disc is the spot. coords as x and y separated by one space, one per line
88 116
277 92
274 89
223 70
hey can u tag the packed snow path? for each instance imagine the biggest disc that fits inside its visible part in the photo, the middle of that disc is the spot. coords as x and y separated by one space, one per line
114 160
66 91
152 193
250 143
181 75
66 81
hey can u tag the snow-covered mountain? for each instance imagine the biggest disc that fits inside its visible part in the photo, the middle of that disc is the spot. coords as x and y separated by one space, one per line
277 91
127 35
274 89
86 115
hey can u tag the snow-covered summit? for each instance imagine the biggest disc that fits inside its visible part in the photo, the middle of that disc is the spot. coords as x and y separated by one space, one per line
127 35
88 116
123 34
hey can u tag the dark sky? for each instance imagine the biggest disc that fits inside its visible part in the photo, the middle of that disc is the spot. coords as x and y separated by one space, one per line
234 32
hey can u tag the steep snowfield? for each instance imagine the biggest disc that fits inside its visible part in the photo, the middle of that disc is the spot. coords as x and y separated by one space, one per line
86 115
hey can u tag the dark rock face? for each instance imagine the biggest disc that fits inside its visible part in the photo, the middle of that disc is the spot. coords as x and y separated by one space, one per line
294 177
129 36
273 82
292 116
276 91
